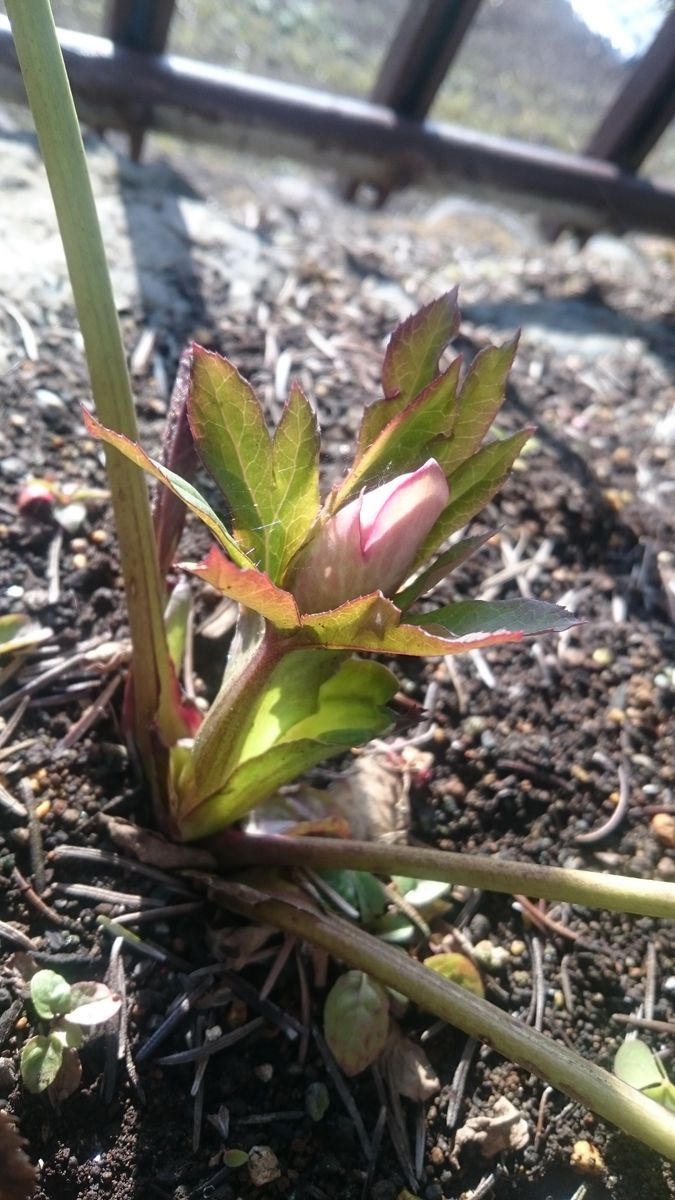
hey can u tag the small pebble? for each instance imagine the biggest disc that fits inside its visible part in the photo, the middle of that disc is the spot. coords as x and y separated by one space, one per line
662 826
587 1158
263 1165
264 1072
317 1101
48 403
12 467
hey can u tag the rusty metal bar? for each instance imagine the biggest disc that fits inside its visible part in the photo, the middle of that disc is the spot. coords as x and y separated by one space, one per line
193 100
643 107
423 48
418 59
138 25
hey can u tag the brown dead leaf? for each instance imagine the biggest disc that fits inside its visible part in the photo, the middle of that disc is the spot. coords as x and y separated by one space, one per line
502 1129
373 796
69 1077
408 1069
238 945
17 1175
153 849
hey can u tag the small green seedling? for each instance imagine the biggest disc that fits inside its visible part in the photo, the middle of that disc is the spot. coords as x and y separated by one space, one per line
636 1065
50 1059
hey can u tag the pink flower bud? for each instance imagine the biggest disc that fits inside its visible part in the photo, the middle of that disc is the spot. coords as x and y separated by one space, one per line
371 543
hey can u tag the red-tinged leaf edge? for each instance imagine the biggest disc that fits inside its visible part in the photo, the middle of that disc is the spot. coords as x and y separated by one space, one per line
468 618
181 487
249 587
372 624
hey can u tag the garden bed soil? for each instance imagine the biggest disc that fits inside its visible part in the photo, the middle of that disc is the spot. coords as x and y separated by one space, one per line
529 741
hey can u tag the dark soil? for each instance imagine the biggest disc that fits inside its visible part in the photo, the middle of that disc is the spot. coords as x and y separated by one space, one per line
528 746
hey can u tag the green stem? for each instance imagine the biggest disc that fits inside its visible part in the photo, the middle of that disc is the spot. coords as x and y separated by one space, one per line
60 140
619 893
256 650
563 1069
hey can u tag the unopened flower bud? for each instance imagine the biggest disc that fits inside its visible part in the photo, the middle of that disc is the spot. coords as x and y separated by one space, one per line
372 542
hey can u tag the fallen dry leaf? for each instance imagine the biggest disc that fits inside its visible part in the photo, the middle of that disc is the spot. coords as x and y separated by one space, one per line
503 1129
408 1069
17 1175
373 796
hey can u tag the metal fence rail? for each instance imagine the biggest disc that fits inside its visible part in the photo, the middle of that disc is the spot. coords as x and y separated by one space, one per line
128 82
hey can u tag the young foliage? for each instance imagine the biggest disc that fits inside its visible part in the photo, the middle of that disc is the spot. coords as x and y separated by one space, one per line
50 1059
635 1064
324 582
356 1021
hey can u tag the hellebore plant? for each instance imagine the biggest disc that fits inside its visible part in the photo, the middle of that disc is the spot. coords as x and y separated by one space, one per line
317 584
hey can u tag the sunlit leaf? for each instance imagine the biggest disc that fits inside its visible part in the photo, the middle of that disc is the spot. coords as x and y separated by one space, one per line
295 460
314 706
92 1004
527 617
472 485
19 632
271 485
68 1077
41 1059
372 624
356 1021
180 487
50 994
480 398
249 587
404 443
636 1065
444 565
459 969
410 363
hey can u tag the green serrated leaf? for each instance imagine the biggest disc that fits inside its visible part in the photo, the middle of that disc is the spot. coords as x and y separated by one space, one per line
180 487
235 446
373 624
295 459
473 484
444 565
479 400
41 1059
410 363
356 1021
271 485
50 995
527 617
407 441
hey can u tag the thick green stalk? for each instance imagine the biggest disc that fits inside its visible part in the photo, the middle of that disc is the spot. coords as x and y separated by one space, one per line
254 654
60 140
619 893
563 1069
